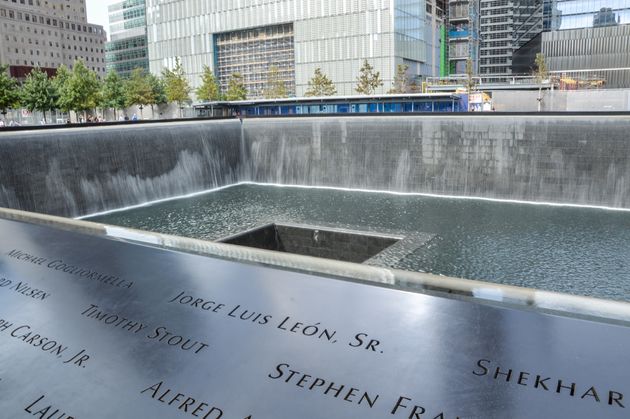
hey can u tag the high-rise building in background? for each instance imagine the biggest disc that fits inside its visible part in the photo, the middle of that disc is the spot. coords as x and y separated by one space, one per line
528 22
588 41
128 46
47 34
496 29
506 25
463 35
435 36
296 36
577 14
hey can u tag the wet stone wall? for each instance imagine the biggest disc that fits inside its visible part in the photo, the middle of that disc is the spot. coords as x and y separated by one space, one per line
563 159
72 172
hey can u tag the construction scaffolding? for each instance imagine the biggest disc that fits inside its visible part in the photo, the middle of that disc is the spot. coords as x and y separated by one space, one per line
252 53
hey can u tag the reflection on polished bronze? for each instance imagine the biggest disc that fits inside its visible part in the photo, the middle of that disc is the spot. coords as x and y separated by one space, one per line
98 328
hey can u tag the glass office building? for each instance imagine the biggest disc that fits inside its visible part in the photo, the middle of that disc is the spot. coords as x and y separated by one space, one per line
575 14
128 47
334 35
588 42
506 25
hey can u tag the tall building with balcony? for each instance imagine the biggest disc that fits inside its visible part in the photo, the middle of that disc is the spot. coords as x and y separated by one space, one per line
47 34
295 36
463 35
128 47
588 41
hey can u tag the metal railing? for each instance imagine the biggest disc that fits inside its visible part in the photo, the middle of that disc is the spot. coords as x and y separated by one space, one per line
557 79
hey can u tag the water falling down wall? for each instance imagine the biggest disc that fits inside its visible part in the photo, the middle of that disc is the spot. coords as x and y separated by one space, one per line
78 171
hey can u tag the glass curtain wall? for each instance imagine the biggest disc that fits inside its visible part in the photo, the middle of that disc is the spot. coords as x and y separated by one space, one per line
574 14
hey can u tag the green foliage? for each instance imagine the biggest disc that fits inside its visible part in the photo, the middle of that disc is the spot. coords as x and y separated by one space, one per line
79 91
113 91
209 89
275 86
236 88
368 80
176 86
471 85
9 92
60 82
157 88
139 90
38 92
541 73
401 81
320 85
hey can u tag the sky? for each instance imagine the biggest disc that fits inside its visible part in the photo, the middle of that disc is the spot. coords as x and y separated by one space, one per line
97 12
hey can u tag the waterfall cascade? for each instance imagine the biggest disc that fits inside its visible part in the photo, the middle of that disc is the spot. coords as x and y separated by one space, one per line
73 172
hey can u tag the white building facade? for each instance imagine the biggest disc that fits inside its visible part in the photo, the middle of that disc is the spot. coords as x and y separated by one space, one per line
296 36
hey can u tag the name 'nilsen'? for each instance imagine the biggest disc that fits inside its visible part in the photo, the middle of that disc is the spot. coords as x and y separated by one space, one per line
60 265
523 378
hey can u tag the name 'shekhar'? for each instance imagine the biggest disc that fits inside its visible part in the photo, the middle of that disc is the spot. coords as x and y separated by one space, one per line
496 372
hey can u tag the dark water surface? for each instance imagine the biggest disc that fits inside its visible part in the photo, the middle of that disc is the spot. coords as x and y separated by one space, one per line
574 250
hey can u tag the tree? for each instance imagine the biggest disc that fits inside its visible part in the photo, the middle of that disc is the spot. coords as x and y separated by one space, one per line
401 80
176 85
113 92
236 88
139 90
320 85
9 93
275 86
80 91
368 80
470 81
60 83
38 92
209 89
540 75
157 89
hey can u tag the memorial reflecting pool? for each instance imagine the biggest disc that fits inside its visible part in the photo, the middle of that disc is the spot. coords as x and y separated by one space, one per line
581 251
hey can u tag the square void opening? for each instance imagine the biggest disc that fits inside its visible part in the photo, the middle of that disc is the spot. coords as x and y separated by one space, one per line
345 245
